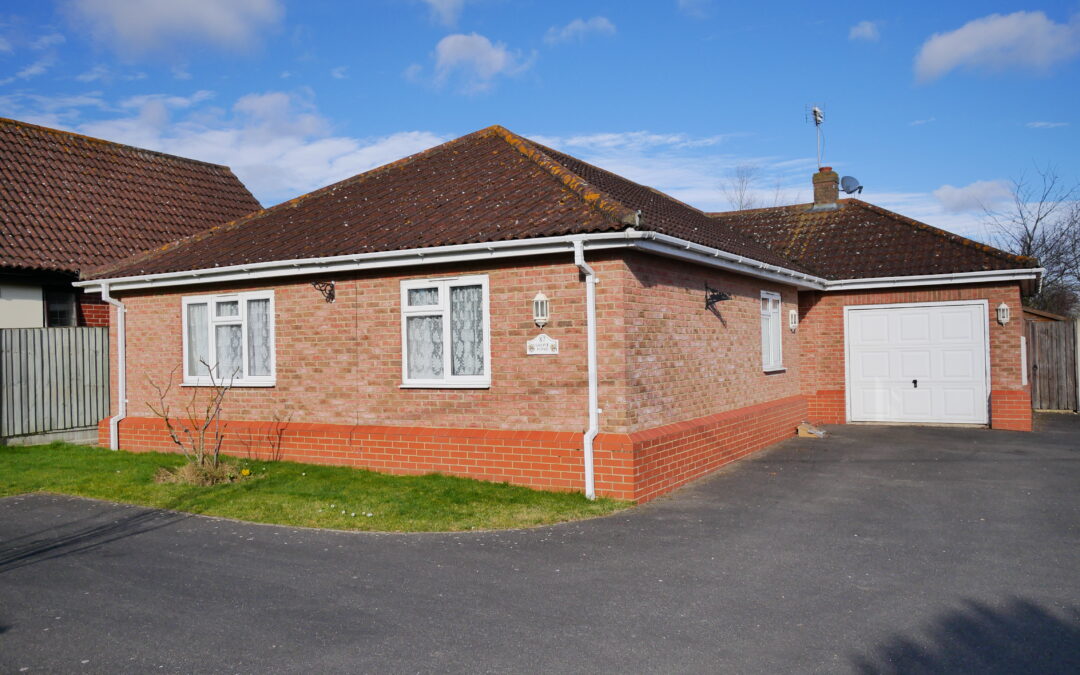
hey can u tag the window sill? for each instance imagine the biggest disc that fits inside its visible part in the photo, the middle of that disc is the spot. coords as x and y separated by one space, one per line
448 385
234 385
778 369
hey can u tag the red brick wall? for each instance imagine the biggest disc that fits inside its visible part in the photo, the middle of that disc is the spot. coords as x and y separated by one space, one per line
682 361
822 344
340 363
640 466
91 310
664 360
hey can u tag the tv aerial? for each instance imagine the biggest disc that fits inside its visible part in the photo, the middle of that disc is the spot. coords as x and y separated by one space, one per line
816 114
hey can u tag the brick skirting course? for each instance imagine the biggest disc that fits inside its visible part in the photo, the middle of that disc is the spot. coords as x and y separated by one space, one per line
640 466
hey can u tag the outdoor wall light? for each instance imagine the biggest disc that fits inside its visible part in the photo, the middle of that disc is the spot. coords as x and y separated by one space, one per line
793 319
1003 314
541 311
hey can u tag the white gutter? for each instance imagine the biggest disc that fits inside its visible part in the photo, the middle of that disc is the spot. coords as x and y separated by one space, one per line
462 253
121 365
983 277
650 242
594 397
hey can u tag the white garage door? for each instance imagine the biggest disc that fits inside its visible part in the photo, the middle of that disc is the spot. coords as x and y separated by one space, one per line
917 363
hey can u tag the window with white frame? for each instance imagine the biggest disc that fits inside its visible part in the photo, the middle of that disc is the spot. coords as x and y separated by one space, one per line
444 332
229 339
772 344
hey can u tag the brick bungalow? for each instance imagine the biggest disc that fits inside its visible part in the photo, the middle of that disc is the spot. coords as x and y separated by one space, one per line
497 309
70 202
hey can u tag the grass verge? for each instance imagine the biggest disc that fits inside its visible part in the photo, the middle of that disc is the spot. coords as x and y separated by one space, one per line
288 493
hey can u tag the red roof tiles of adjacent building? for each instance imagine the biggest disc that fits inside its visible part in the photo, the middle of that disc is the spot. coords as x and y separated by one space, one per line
491 185
70 202
859 240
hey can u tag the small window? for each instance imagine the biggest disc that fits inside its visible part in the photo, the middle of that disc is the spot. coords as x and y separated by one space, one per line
229 339
772 345
59 309
444 332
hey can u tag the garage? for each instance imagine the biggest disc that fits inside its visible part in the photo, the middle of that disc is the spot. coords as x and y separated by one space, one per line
925 363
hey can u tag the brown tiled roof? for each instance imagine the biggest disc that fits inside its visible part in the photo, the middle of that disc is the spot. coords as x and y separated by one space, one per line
491 185
70 202
860 240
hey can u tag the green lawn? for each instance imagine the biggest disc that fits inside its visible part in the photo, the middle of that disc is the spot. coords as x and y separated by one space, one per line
287 493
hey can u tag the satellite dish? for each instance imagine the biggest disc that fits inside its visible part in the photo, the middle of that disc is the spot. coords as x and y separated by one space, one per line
850 185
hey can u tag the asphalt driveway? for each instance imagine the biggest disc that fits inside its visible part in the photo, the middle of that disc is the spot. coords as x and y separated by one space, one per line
878 549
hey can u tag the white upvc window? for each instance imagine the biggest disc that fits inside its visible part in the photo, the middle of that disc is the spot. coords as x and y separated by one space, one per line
772 343
445 334
229 339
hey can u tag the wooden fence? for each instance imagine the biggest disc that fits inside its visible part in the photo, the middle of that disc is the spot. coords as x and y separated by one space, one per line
52 379
1052 362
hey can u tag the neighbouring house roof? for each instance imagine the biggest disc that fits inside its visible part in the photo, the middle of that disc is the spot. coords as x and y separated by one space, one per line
1044 315
489 186
859 240
70 202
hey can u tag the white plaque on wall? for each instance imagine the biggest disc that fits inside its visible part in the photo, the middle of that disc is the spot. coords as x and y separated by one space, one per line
541 344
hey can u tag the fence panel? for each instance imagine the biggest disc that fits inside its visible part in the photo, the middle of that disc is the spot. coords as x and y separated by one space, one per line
1052 362
52 379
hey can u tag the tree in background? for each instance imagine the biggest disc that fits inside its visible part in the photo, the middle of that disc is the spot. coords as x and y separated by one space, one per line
1043 222
741 191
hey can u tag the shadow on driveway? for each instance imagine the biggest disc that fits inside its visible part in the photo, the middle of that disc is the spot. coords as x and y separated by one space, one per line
1020 637
77 537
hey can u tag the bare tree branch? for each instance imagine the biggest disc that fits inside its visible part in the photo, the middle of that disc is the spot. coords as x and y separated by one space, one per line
1043 222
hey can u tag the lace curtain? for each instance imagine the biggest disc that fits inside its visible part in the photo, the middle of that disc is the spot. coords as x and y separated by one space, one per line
466 330
198 339
258 332
229 340
425 345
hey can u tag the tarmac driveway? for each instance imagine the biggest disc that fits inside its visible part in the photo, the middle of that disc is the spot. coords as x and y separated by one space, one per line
877 549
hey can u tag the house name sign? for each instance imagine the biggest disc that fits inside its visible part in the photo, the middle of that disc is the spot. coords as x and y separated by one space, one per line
540 345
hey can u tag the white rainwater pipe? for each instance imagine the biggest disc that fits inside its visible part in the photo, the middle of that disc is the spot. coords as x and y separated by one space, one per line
121 365
594 402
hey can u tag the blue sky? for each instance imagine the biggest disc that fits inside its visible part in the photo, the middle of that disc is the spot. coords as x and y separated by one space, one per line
933 106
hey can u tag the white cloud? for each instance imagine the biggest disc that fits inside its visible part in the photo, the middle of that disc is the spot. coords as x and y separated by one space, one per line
446 12
1020 40
578 29
1046 125
276 142
919 123
474 60
46 41
39 67
976 196
135 28
5 45
340 73
865 30
699 9
98 72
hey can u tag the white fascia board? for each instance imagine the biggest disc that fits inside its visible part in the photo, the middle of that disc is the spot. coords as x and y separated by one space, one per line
648 241
674 247
362 261
983 277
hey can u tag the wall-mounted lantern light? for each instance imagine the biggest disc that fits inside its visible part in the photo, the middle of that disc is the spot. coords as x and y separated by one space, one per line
541 312
1003 314
793 319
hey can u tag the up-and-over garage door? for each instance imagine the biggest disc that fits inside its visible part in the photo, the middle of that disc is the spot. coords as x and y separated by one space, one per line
921 363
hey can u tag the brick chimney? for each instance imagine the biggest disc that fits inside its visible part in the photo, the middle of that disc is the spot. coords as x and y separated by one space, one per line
826 189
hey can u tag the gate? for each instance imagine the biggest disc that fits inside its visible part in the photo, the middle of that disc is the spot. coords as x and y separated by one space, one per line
52 379
1052 361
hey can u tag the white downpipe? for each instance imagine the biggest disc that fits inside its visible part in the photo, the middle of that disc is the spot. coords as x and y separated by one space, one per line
121 365
594 398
